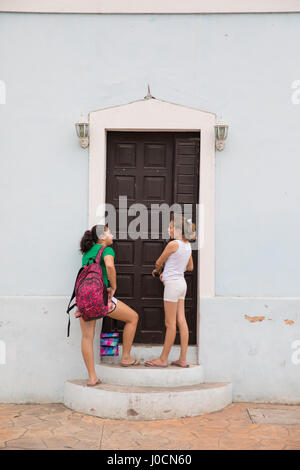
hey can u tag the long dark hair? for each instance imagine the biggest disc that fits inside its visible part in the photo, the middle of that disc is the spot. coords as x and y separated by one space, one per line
90 237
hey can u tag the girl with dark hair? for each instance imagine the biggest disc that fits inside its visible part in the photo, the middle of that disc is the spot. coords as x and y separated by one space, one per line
177 257
90 244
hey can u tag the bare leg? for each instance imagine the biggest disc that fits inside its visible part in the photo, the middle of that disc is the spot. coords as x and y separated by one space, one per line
170 322
124 313
87 348
183 331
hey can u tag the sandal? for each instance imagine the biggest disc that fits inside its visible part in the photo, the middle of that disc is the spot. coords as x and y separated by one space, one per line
178 365
147 364
134 363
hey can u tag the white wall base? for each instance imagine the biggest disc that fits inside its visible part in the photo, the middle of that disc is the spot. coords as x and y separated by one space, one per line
260 357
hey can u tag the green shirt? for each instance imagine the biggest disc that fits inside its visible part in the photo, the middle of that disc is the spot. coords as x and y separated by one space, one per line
92 253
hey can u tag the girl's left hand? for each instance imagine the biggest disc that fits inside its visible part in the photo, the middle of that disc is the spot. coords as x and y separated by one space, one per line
155 272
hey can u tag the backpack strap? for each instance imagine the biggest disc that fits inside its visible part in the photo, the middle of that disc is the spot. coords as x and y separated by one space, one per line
99 254
72 297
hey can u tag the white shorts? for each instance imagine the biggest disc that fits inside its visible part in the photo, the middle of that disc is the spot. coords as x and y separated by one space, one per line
112 303
175 289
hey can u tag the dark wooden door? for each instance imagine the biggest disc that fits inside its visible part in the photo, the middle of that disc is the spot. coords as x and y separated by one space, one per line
150 168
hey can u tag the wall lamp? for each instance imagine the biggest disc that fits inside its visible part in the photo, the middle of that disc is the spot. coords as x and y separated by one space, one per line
221 131
82 129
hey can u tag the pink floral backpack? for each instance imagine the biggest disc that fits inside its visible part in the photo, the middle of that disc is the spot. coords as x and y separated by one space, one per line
90 291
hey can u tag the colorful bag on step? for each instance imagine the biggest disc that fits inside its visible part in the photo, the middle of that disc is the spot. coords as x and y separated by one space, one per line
109 344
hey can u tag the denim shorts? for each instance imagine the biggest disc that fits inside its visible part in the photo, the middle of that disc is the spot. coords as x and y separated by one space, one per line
175 289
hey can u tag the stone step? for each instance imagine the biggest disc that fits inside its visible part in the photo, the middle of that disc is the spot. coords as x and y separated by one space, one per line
144 352
146 403
142 376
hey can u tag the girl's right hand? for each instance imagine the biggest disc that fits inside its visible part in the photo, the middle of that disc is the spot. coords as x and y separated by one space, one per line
110 292
160 277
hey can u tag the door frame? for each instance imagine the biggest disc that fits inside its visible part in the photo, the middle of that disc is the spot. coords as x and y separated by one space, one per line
153 115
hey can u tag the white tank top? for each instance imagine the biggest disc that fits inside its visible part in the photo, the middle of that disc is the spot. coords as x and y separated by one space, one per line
176 263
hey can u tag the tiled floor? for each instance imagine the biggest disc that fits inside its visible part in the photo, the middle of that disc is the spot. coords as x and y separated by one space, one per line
53 426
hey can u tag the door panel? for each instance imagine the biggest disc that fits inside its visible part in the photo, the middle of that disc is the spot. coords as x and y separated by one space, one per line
150 168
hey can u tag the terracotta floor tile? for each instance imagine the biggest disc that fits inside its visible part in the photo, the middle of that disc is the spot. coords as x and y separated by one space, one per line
53 426
234 442
10 433
28 444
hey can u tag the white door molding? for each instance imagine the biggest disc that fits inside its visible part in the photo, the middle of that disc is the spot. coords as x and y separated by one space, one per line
157 115
150 6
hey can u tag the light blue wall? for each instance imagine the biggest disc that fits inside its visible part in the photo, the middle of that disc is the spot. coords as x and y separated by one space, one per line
240 66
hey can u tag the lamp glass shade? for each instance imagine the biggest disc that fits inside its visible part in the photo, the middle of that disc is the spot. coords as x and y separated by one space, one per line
82 129
221 131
